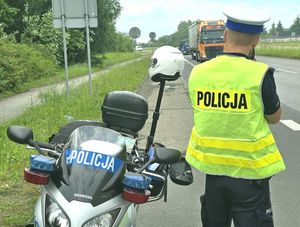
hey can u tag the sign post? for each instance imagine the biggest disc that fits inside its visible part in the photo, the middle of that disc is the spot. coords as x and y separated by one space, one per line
75 14
152 37
88 45
63 21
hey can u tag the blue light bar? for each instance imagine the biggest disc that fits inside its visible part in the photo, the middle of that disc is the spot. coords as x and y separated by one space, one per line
155 165
135 180
42 163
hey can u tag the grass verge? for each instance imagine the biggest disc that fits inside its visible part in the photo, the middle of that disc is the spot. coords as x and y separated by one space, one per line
279 49
80 69
17 198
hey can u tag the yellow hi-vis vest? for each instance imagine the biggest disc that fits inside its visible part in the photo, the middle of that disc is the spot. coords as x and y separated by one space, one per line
230 136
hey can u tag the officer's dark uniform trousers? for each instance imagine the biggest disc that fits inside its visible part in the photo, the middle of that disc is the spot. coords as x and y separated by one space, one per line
246 202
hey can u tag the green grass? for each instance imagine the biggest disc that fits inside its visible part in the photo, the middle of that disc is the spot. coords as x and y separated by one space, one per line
16 197
104 61
279 49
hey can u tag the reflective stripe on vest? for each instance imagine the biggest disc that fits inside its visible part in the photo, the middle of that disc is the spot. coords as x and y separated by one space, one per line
231 136
245 146
234 161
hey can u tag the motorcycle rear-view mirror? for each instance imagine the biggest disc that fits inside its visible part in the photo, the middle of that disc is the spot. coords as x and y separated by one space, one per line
181 172
19 134
162 155
165 155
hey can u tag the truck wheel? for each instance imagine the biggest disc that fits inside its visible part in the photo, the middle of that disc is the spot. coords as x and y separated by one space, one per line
193 55
197 57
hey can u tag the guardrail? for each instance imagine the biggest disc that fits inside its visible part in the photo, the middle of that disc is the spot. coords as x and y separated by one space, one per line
281 39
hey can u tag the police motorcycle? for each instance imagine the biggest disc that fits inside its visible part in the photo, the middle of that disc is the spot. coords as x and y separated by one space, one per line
94 173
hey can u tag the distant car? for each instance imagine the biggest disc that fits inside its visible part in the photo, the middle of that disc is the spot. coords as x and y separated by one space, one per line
184 47
139 48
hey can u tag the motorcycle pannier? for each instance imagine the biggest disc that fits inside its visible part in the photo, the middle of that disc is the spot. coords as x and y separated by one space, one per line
125 111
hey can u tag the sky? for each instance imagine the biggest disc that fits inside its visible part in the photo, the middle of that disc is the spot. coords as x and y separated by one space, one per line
163 16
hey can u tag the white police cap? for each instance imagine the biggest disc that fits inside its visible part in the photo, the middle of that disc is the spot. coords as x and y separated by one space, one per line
245 19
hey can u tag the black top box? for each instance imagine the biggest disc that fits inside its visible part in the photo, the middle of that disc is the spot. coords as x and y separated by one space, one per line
125 111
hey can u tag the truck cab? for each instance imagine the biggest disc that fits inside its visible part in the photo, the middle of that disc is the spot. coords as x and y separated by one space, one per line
207 38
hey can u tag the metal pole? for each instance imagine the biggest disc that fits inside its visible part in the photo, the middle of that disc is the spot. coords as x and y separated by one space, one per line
155 115
152 47
133 44
63 19
88 46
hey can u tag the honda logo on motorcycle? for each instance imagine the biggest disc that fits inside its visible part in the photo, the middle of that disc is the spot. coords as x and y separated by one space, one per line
93 159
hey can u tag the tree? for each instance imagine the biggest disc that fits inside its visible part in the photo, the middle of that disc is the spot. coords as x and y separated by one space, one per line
30 21
296 26
15 11
108 12
121 42
163 40
39 30
15 26
38 7
272 31
7 15
175 38
182 31
279 28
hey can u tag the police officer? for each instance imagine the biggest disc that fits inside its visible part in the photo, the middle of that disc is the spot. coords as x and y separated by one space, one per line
234 99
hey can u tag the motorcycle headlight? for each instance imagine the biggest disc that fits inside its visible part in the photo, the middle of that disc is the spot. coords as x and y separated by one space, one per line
55 217
104 220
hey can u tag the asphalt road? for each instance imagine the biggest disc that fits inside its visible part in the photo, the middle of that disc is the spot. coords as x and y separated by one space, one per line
285 187
183 208
173 130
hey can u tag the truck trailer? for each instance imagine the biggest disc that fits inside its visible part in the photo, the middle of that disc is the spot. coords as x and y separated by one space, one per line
206 39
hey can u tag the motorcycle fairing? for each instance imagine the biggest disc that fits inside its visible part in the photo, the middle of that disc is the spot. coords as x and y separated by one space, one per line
92 165
80 212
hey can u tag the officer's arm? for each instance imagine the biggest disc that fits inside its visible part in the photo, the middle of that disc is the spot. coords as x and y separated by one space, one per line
274 118
272 107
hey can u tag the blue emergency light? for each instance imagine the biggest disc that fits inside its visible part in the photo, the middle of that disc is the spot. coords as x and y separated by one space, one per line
135 180
42 163
155 165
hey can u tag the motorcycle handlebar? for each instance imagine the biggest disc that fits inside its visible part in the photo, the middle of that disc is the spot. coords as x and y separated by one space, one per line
44 148
48 146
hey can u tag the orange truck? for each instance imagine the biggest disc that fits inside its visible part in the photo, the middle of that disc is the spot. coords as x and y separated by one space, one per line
206 39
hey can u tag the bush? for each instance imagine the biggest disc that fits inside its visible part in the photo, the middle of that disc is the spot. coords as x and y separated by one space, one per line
21 64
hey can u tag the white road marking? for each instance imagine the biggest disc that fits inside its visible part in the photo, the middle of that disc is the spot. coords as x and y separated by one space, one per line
189 62
287 71
278 69
291 124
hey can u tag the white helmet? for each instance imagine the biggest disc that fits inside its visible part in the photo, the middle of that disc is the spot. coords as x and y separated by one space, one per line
167 63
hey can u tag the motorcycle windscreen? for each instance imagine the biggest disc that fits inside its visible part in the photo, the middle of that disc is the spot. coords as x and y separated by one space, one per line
92 165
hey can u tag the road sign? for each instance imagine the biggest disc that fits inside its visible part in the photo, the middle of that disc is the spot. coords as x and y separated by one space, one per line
75 13
152 35
134 32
